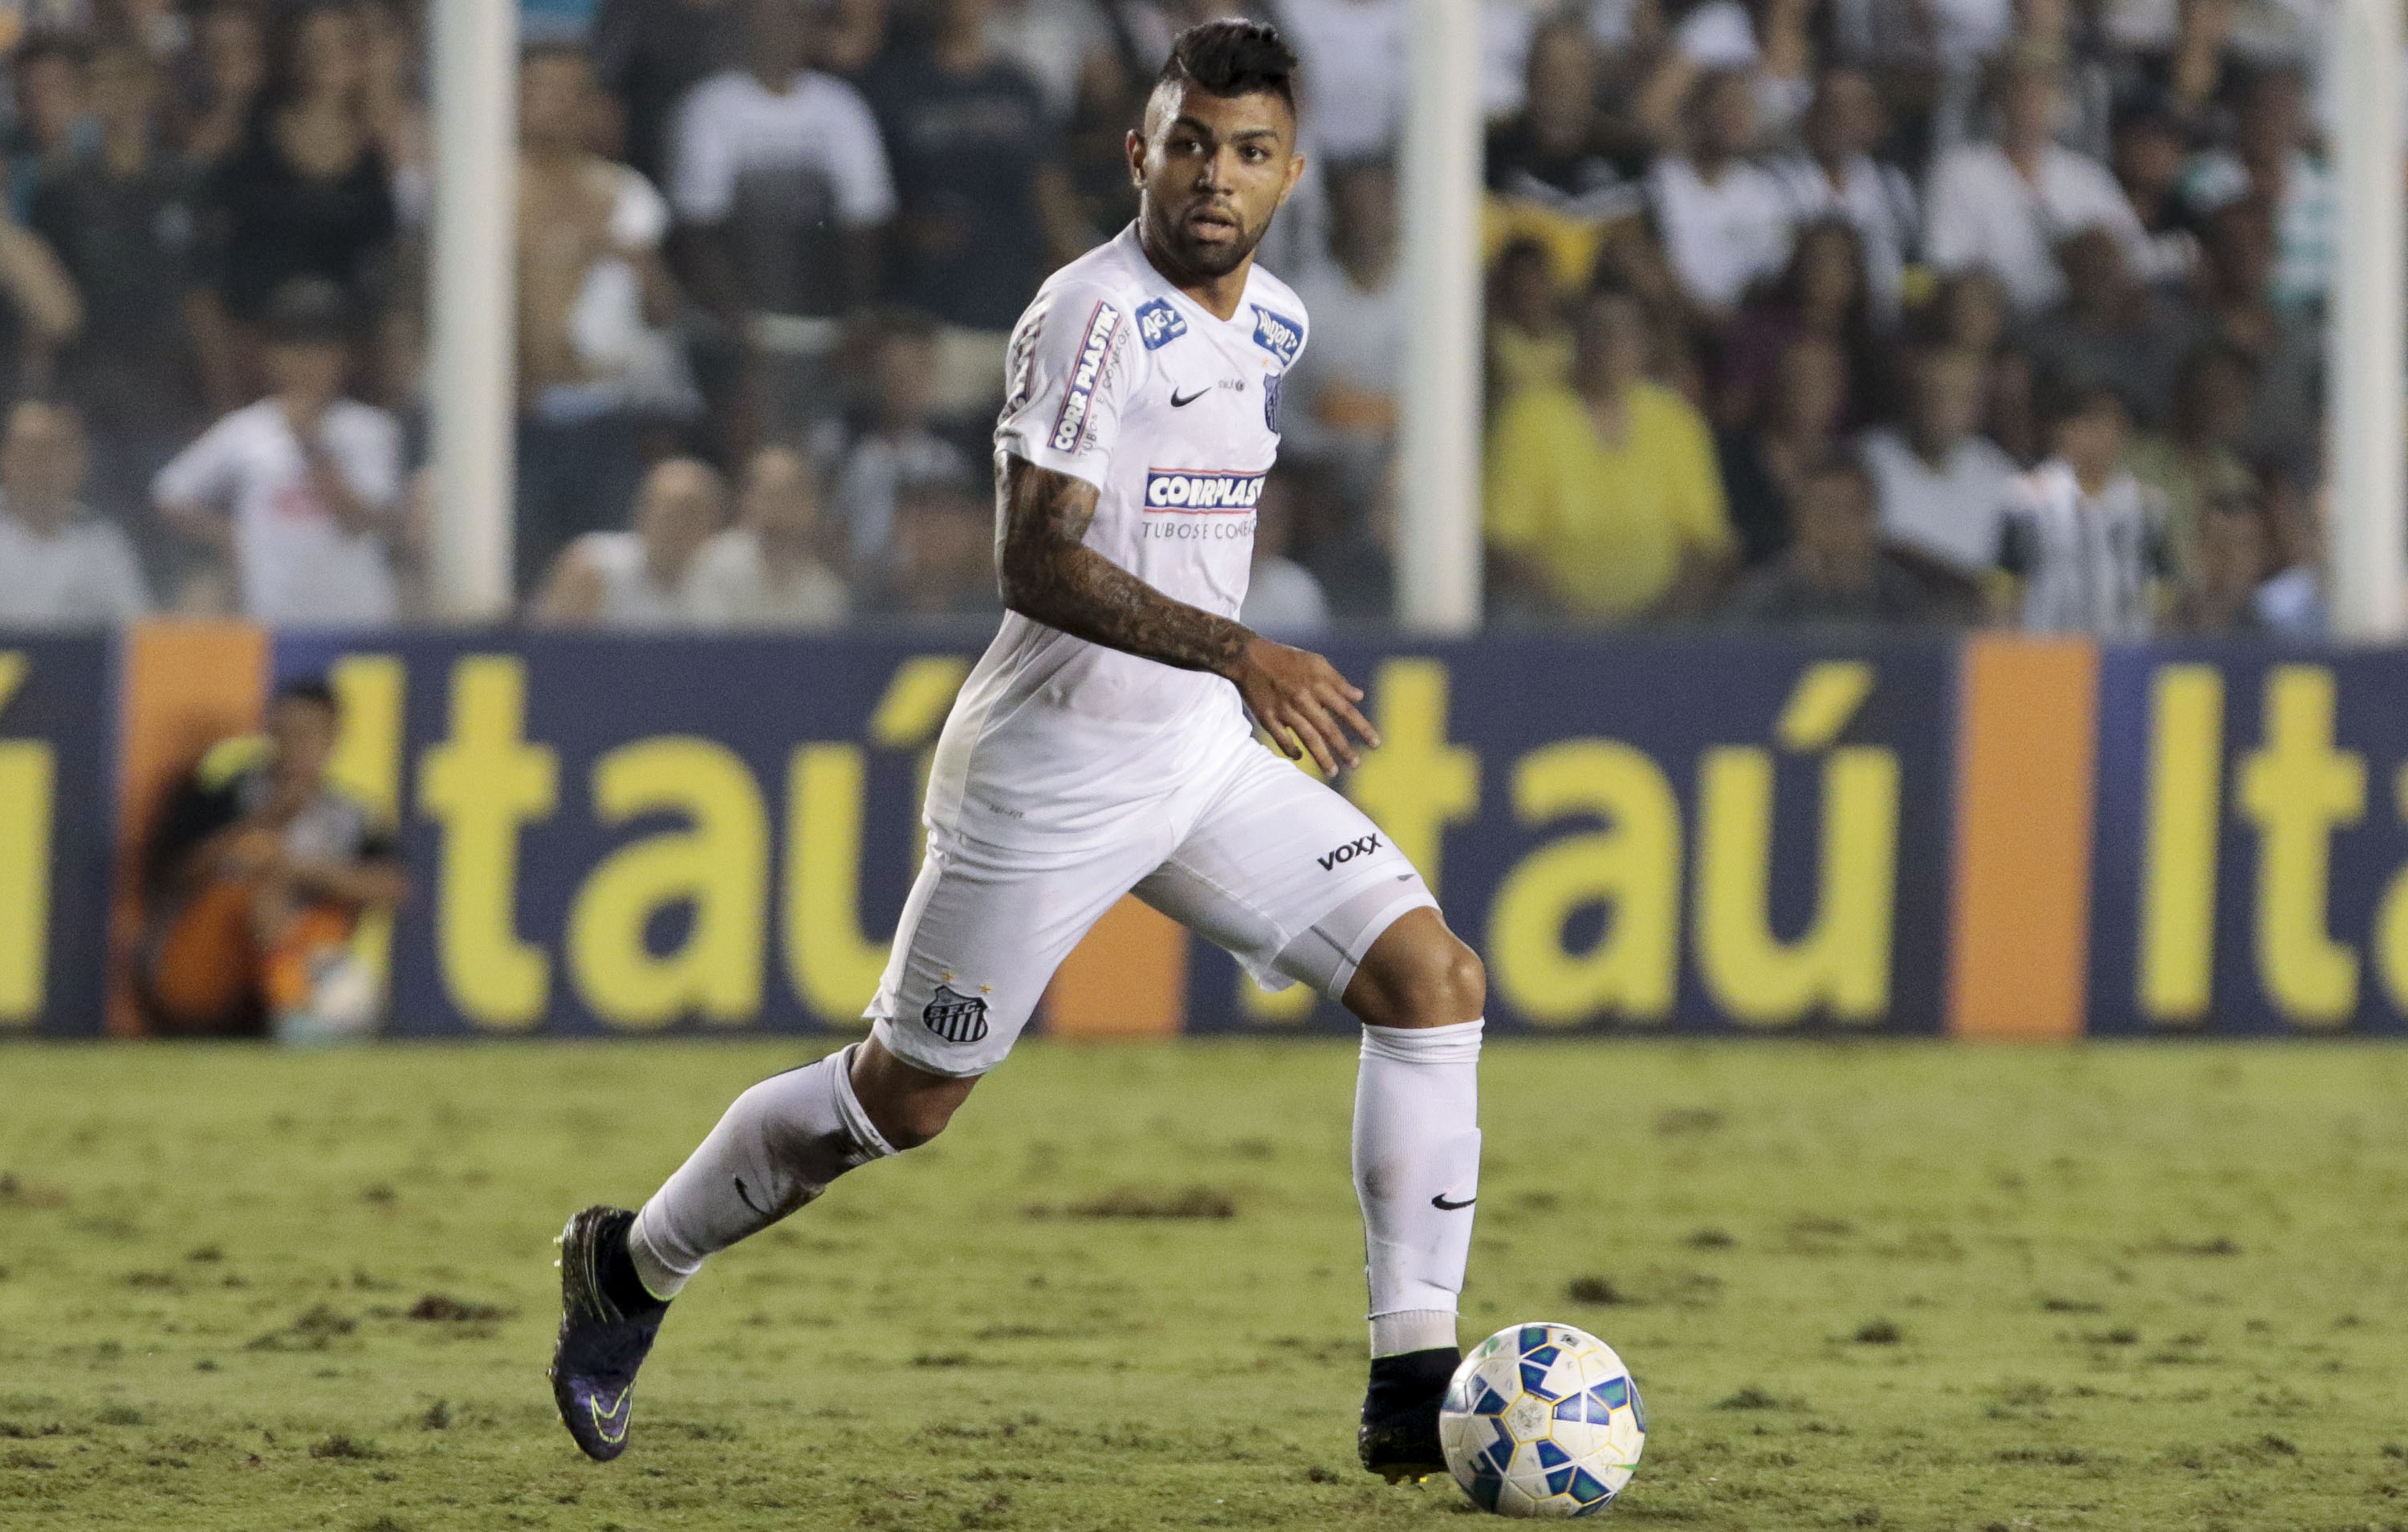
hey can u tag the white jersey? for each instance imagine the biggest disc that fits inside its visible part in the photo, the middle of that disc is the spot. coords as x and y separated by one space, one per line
1118 379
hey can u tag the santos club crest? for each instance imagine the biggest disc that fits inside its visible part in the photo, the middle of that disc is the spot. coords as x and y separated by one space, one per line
955 1017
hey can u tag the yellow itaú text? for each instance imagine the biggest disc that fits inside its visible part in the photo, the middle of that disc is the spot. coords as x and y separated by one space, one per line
28 776
2292 794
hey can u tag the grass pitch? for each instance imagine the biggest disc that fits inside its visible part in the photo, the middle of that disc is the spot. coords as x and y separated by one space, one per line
1908 1287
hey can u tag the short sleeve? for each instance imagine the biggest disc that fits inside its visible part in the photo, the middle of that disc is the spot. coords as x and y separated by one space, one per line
865 190
702 160
1069 373
207 473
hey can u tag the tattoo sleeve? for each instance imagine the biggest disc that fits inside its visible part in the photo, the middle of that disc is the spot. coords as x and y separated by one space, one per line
1050 576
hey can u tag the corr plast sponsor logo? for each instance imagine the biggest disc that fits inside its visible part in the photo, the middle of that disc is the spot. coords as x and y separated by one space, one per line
1201 490
1078 401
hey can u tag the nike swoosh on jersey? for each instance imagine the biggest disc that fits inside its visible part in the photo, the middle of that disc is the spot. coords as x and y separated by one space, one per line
1178 403
1441 1203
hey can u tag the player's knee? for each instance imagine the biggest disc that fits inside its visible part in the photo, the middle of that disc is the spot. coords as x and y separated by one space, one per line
1429 979
908 1113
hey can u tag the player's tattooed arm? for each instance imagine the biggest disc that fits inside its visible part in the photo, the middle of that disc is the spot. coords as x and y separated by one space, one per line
1050 576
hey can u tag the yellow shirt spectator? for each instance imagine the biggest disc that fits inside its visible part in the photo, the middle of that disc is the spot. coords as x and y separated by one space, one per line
1604 528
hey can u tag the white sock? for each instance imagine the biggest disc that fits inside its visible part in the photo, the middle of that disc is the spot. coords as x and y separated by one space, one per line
1417 1174
777 1148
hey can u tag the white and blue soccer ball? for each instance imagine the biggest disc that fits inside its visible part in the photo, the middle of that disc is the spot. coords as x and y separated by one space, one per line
1543 1421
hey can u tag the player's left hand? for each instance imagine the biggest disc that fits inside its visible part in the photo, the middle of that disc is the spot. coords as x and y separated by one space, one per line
1302 702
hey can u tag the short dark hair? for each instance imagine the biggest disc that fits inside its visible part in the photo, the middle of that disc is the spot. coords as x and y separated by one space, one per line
1231 58
309 688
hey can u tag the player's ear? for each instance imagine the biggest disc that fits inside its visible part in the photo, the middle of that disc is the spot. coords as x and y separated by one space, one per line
1294 174
1134 148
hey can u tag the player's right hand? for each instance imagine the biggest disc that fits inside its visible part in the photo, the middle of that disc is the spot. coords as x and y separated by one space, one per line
1302 702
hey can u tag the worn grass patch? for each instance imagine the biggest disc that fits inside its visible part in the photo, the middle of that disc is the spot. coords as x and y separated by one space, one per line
1902 1287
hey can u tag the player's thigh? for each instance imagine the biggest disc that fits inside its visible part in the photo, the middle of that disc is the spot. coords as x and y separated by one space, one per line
1288 876
979 939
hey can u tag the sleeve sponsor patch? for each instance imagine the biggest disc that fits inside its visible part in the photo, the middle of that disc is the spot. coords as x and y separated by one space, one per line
1277 333
1159 324
1079 399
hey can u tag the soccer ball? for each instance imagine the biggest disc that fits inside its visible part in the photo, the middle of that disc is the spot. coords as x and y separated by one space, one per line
1543 1420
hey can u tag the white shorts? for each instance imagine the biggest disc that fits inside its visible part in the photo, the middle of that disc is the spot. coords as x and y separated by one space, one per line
1253 855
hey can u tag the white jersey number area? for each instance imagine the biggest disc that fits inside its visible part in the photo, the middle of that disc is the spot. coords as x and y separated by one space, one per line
1172 413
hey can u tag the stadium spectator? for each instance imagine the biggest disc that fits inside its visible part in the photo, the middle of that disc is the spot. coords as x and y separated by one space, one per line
1338 404
783 194
2269 161
1725 218
649 53
2147 155
119 215
1549 174
2232 556
1823 291
1764 43
60 565
2005 205
2109 327
229 73
394 58
53 111
1969 314
2186 78
306 193
984 207
1283 597
848 35
1060 44
642 579
2195 463
1837 178
1529 343
944 554
2284 346
2292 600
766 571
593 289
896 444
301 492
2083 546
1942 488
1603 504
1796 426
1835 572
1352 53
256 878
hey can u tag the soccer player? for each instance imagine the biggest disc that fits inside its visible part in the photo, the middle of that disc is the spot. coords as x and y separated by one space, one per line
1101 747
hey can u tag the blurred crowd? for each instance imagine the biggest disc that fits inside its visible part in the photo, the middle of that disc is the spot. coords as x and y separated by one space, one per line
1799 311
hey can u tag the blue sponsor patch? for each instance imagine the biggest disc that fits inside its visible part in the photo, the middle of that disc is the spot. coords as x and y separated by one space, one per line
1201 490
1079 399
1278 335
1159 324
